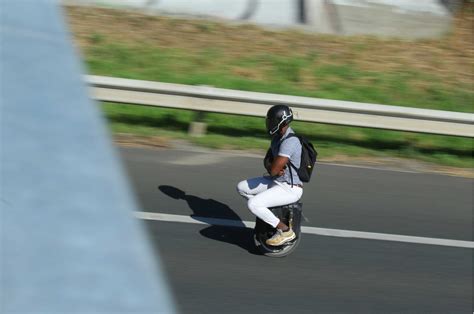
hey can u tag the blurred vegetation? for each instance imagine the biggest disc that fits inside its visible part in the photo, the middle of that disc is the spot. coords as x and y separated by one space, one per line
435 74
279 74
237 132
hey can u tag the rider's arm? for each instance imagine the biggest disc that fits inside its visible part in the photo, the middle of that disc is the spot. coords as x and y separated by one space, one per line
267 161
278 164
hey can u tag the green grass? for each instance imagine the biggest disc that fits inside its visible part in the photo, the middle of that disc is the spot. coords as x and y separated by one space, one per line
237 132
284 75
271 73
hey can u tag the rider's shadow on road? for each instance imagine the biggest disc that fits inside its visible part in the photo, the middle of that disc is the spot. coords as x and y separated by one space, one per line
213 212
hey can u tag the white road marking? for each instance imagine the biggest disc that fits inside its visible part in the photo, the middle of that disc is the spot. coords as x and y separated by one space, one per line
310 230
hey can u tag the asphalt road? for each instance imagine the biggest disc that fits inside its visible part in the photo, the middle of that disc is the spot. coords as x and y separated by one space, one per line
215 269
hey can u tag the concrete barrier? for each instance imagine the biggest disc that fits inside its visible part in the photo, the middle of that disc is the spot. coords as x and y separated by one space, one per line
402 18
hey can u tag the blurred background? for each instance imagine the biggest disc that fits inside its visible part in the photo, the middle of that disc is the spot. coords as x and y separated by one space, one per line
404 53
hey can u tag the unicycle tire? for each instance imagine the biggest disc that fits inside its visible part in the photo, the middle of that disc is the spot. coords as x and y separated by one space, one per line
275 251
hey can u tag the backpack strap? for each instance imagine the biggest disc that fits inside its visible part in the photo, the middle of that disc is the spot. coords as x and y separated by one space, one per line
291 164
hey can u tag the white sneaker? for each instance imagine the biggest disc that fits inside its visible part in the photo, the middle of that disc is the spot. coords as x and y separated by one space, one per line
281 237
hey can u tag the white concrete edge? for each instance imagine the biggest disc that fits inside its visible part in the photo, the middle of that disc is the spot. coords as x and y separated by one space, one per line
309 230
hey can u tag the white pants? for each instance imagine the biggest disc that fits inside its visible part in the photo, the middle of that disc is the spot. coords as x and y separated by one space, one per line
263 192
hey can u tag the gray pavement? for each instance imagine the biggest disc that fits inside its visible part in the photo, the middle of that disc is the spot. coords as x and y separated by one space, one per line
215 269
372 200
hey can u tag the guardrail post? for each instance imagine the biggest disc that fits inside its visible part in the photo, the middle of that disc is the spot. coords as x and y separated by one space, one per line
198 127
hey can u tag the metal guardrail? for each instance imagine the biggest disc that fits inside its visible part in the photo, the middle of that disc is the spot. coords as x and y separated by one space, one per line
210 99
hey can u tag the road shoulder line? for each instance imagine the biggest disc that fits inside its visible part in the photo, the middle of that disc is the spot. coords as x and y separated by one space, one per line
308 230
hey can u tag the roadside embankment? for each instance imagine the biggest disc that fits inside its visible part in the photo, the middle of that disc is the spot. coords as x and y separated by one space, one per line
434 74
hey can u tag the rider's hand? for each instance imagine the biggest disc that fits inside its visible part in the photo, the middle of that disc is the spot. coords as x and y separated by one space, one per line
278 166
282 171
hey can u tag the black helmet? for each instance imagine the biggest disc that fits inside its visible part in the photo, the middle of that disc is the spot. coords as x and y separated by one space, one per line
278 116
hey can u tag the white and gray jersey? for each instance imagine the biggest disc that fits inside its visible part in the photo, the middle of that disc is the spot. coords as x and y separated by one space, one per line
291 148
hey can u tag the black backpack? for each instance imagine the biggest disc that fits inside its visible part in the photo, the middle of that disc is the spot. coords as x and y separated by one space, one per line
308 158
